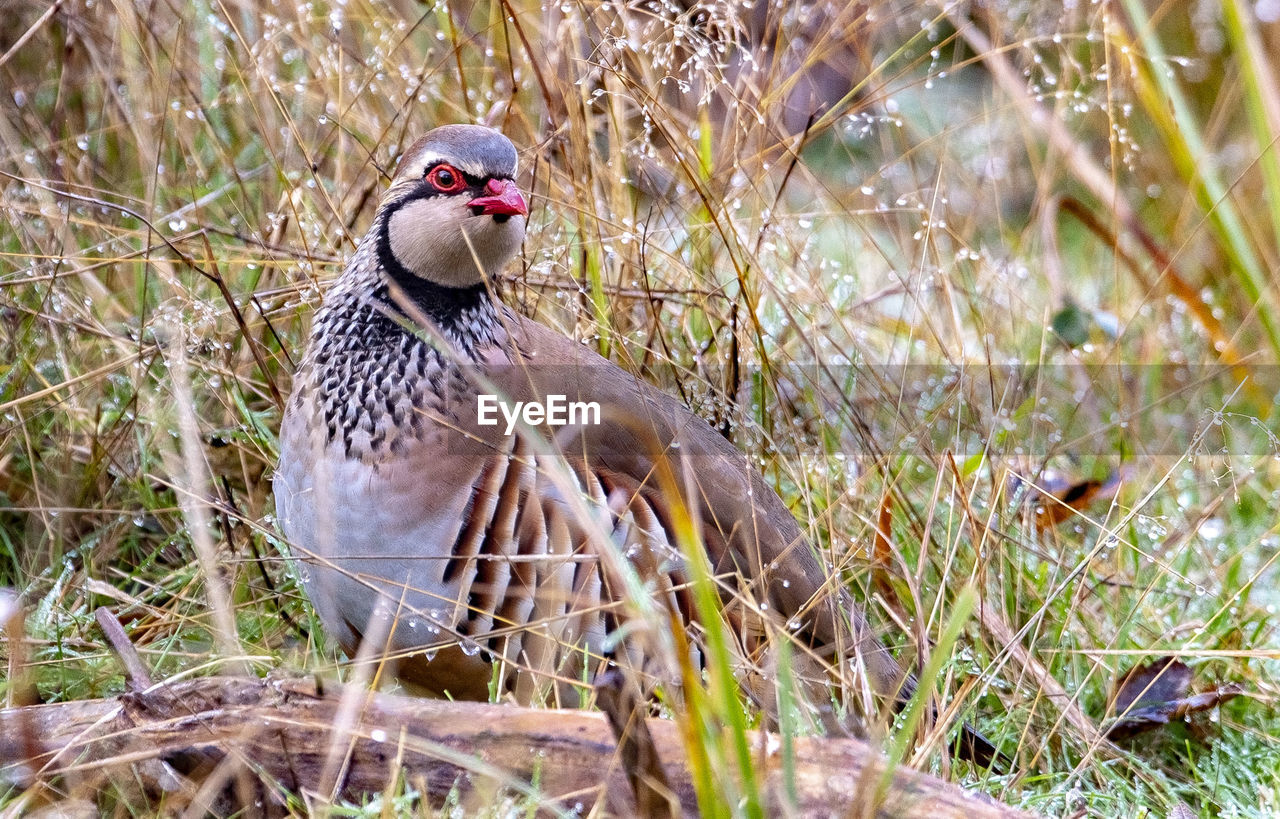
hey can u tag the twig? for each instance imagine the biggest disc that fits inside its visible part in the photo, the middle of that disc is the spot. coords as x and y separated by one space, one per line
30 32
134 668
21 691
622 706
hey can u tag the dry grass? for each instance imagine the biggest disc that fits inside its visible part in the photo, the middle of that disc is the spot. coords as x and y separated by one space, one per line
872 301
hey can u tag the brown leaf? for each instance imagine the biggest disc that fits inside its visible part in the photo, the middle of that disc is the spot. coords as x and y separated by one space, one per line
1168 678
1149 696
1059 499
882 550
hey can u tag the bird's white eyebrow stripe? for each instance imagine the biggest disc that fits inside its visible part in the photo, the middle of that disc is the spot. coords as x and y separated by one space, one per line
466 167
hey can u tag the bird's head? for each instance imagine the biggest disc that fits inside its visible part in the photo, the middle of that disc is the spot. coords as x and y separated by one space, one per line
453 214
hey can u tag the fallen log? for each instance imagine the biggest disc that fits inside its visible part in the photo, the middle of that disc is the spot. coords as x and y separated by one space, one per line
227 743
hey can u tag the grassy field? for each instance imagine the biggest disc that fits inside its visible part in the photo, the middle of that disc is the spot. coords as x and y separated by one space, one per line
987 295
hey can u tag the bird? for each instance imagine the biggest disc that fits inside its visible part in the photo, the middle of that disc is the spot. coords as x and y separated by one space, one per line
500 556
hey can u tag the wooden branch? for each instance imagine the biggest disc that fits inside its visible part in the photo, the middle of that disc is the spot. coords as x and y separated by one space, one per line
203 740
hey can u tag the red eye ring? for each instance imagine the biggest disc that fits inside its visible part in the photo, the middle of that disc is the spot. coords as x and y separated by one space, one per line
446 179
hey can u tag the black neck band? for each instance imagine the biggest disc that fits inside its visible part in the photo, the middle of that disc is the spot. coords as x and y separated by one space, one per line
442 304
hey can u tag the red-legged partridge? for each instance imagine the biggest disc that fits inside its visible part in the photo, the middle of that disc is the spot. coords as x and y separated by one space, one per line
494 557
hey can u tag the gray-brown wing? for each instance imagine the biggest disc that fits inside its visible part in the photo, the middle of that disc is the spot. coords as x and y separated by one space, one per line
646 444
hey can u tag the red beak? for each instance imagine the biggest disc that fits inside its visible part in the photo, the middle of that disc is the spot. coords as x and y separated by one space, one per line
503 199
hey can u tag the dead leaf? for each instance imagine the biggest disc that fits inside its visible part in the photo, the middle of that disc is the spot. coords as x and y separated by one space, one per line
1149 696
882 550
1058 499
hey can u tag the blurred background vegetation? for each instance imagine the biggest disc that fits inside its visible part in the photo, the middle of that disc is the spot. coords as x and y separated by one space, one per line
986 290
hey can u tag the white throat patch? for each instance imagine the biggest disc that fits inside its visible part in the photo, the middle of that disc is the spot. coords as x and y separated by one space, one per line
441 240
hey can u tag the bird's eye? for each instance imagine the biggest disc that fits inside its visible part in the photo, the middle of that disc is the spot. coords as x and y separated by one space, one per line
446 179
